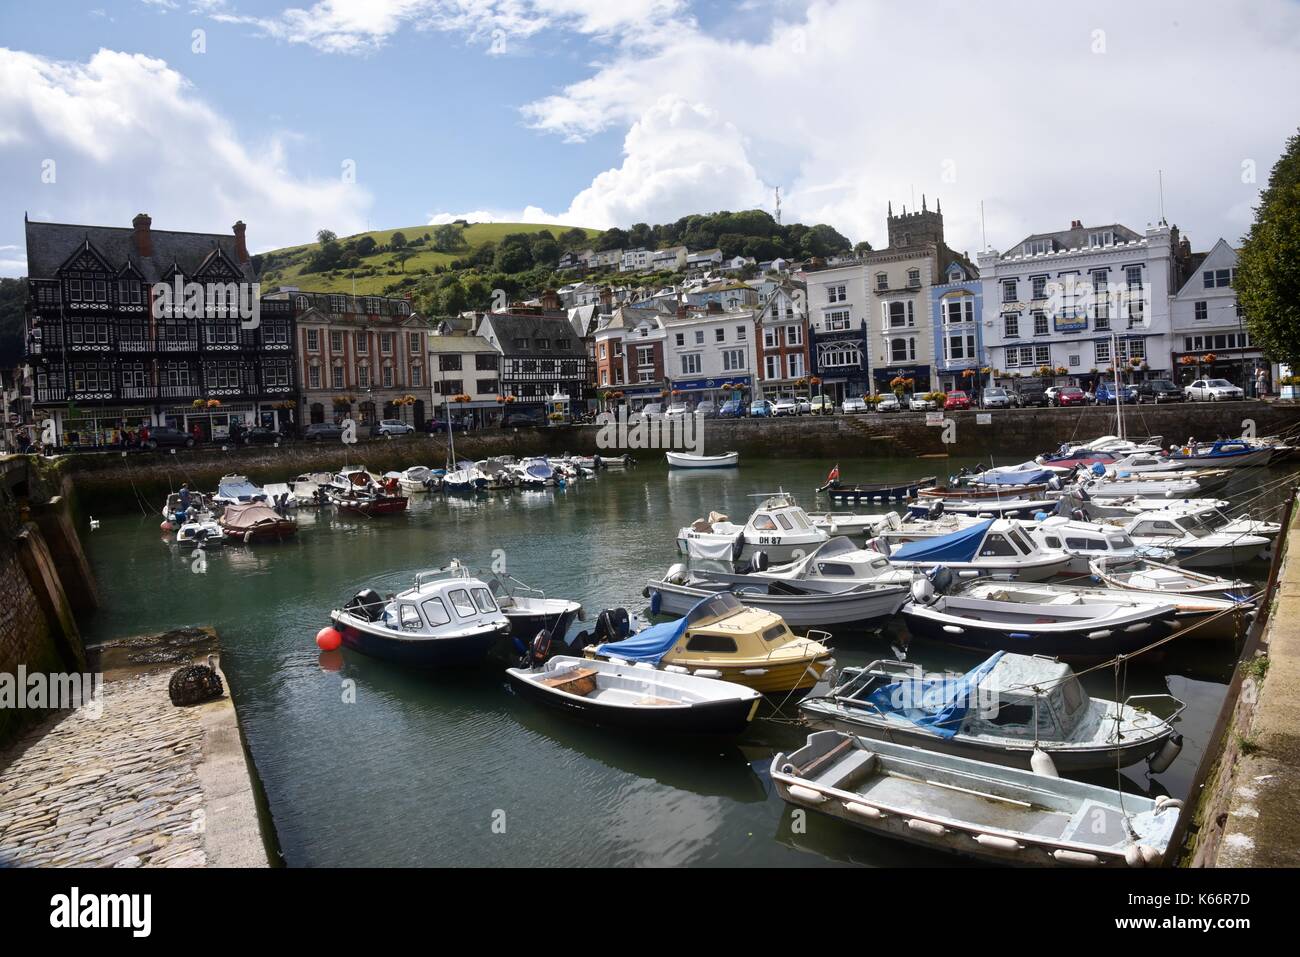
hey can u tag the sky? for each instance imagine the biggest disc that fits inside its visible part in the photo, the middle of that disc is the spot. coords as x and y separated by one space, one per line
352 114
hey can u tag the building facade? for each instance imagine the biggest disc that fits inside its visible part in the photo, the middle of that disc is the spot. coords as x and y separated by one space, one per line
541 355
957 310
138 327
707 349
783 340
837 330
1075 303
465 365
360 357
629 348
1210 337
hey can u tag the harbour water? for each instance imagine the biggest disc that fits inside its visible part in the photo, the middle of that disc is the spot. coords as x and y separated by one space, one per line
366 764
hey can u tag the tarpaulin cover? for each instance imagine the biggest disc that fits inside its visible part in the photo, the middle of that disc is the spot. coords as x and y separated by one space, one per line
954 547
650 644
239 492
1022 477
937 704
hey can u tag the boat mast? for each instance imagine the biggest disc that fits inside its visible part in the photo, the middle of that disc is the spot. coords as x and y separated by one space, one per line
1119 403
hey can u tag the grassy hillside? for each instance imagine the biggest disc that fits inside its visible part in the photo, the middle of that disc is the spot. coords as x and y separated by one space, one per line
380 272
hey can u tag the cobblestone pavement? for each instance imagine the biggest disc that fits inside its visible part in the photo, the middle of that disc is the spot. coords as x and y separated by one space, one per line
120 790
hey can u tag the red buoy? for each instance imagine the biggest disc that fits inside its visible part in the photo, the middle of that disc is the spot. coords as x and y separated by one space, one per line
328 639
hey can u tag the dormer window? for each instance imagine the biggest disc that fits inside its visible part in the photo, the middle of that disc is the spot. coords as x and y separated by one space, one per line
1103 238
1037 247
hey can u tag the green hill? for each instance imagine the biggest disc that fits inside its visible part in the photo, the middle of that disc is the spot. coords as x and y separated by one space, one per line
386 269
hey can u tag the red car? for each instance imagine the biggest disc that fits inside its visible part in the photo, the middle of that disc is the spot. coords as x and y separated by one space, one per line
956 400
1071 395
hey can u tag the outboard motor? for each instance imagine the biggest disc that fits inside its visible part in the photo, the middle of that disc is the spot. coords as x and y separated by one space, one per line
611 625
540 649
941 578
367 604
757 562
1079 515
676 574
935 510
923 591
879 545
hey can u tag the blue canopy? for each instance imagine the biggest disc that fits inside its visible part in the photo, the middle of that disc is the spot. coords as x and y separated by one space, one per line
240 491
1020 477
649 644
938 704
954 547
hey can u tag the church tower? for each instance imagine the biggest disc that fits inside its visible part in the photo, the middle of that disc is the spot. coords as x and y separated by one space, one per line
916 228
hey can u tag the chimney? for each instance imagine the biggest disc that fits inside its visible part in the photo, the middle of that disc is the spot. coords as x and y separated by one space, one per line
606 299
1076 224
241 247
550 300
143 240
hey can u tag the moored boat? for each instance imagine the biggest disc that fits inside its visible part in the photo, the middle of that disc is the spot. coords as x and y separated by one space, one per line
256 522
852 494
689 460
1157 578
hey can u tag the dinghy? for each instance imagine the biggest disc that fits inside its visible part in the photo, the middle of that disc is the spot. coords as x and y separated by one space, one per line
443 621
1004 711
689 460
883 492
973 808
1156 578
638 697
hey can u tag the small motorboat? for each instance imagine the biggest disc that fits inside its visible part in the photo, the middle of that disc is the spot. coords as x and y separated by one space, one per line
1004 711
499 472
256 522
534 473
417 479
638 697
371 504
530 611
1010 507
279 495
721 638
309 487
199 506
850 523
1193 540
1212 514
1158 484
443 621
237 490
204 533
778 527
854 603
997 547
883 492
1156 578
1082 630
1084 541
464 478
689 460
1200 617
973 808
613 462
828 568
1225 453
1081 504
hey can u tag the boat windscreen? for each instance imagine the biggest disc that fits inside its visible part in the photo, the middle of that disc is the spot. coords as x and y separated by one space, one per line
715 606
839 545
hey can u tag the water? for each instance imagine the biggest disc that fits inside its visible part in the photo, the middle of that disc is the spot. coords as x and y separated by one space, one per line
424 769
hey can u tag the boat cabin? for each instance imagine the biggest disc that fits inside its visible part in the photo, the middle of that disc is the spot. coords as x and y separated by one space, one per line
430 608
1083 537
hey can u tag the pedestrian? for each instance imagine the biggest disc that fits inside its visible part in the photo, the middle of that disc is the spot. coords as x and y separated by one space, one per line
1261 383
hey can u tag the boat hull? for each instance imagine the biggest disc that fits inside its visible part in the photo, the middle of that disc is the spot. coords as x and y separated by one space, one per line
682 460
460 651
854 494
1070 645
721 718
799 611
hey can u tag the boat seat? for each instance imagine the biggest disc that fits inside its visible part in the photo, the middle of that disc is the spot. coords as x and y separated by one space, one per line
655 701
577 681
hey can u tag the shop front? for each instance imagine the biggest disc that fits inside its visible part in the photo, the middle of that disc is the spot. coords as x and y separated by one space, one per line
917 377
210 420
718 389
96 428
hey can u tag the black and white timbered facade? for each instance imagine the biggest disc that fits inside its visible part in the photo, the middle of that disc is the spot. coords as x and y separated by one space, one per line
541 354
107 358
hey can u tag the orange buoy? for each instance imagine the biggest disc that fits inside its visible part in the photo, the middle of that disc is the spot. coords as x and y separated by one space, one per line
328 639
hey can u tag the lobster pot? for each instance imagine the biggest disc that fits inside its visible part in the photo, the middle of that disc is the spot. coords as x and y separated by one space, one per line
194 684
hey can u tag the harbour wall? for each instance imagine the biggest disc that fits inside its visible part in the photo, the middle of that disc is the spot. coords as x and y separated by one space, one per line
109 482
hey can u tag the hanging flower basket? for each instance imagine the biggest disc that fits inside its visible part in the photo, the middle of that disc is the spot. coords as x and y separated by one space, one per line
461 398
1187 360
1062 370
510 400
1208 357
198 403
815 380
968 373
618 395
727 387
500 399
1135 363
214 403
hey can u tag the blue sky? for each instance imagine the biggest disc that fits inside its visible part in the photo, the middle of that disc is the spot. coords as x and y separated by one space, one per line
600 113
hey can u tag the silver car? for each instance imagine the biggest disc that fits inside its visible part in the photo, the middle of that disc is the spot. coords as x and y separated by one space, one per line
1213 390
854 404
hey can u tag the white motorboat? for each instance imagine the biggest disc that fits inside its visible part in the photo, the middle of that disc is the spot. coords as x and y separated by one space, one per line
237 490
1084 541
1157 578
1087 507
778 527
498 471
309 488
829 568
1193 540
1225 453
1009 507
204 533
1159 484
533 473
1199 617
465 478
417 479
689 460
1005 710
849 523
196 505
1214 517
973 808
280 495
995 547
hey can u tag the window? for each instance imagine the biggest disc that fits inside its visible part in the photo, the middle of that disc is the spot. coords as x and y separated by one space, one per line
1038 287
363 377
733 359
715 644
645 356
483 598
485 361
521 345
363 343
836 321
898 314
997 545
562 344
1040 322
837 293
1218 278
1074 362
463 604
794 335
772 365
543 345
1042 354
960 346
741 334
913 278
336 377
959 309
794 365
769 339
449 363
336 341
681 339
1008 290
1037 247
1102 348
386 343
902 350
1201 310
699 337
486 386
1105 238
435 611
720 335
388 377
882 280
691 364
313 377
413 342
1011 325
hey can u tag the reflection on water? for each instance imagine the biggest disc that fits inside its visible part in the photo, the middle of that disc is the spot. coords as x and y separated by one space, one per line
368 764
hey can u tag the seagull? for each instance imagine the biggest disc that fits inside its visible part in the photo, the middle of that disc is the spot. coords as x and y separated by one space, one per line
94 523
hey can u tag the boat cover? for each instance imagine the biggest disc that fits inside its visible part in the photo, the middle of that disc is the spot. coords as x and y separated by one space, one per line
1022 477
240 491
937 704
959 546
717 549
649 644
250 515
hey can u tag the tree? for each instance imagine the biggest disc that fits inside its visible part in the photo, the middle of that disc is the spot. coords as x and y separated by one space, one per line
398 240
448 238
574 238
366 245
326 236
1268 266
13 295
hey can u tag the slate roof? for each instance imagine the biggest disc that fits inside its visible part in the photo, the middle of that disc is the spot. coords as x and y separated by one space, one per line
49 245
511 326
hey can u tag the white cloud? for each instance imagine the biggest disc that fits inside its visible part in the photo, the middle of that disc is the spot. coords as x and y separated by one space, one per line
857 103
127 133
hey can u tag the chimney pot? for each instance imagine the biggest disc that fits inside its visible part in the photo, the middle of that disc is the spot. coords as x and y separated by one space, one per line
241 246
143 238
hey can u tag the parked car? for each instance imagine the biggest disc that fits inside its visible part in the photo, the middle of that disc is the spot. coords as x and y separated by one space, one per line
1069 395
996 397
166 437
393 427
707 409
804 404
440 425
1213 390
854 404
677 410
1160 390
785 405
761 408
651 410
1105 394
1032 396
920 403
323 432
821 405
889 403
732 409
957 399
261 435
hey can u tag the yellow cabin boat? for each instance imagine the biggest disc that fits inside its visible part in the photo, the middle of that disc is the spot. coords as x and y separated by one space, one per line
722 638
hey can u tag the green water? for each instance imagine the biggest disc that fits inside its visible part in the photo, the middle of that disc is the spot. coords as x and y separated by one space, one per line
424 769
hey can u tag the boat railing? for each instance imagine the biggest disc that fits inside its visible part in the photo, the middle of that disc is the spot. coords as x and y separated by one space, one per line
1179 706
454 570
510 580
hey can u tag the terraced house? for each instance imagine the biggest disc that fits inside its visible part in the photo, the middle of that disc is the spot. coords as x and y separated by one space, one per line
111 351
541 355
359 357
